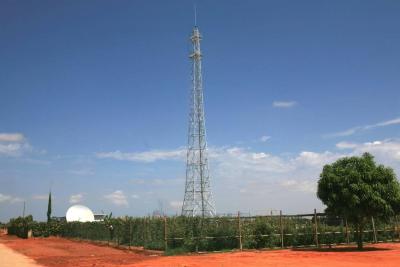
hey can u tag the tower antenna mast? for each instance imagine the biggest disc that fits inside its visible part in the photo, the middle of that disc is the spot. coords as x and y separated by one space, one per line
195 15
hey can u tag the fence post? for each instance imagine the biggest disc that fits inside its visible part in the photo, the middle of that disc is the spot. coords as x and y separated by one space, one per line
118 235
384 233
130 233
144 232
240 232
165 234
397 226
373 229
347 232
281 227
394 231
316 228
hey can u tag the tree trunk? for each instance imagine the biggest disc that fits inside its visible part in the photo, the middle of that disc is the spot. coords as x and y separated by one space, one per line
360 229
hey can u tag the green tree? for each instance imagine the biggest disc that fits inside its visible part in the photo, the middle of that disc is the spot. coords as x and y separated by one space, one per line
49 208
357 188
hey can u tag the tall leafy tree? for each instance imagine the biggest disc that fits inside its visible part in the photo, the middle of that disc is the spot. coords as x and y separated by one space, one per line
49 208
357 189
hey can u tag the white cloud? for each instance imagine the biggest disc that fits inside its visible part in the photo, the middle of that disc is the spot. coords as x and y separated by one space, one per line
236 160
242 177
73 199
386 151
147 156
347 132
308 186
356 129
308 158
176 204
346 145
9 199
135 196
383 123
16 200
14 149
41 197
257 174
283 104
4 198
11 137
117 198
13 144
264 138
282 181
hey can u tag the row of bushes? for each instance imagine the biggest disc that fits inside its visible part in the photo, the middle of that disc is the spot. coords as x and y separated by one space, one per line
210 234
20 226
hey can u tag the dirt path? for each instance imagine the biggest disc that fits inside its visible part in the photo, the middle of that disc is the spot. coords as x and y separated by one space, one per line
53 252
10 258
61 252
387 255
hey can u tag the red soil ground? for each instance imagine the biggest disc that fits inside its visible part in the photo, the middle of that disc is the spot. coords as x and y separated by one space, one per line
62 252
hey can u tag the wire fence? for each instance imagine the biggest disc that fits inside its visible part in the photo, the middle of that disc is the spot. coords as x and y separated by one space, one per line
239 232
223 233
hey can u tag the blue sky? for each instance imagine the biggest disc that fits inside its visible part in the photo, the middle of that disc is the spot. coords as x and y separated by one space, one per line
95 95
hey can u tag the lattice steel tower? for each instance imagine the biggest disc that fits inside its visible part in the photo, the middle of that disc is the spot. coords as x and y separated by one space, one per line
198 200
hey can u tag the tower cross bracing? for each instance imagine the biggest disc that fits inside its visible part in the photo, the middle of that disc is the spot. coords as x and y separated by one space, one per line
198 199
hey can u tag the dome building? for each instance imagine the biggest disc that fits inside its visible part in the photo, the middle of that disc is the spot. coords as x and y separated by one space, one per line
79 213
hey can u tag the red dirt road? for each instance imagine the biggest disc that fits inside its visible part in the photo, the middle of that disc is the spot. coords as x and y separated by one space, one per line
60 252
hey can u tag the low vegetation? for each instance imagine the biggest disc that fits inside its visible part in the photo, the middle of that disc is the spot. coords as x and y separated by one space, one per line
212 234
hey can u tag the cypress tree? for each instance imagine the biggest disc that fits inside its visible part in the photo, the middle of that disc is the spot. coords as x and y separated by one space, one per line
49 208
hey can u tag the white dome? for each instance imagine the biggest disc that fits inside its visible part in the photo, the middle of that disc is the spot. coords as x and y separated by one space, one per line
79 213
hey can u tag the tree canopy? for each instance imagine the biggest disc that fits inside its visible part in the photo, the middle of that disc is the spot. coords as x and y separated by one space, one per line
357 189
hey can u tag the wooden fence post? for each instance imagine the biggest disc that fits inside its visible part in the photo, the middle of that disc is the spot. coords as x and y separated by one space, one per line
374 230
398 227
394 231
281 227
384 233
144 232
240 232
165 234
347 232
316 228
118 234
130 233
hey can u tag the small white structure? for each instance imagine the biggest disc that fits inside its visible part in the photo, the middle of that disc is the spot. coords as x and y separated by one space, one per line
79 213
